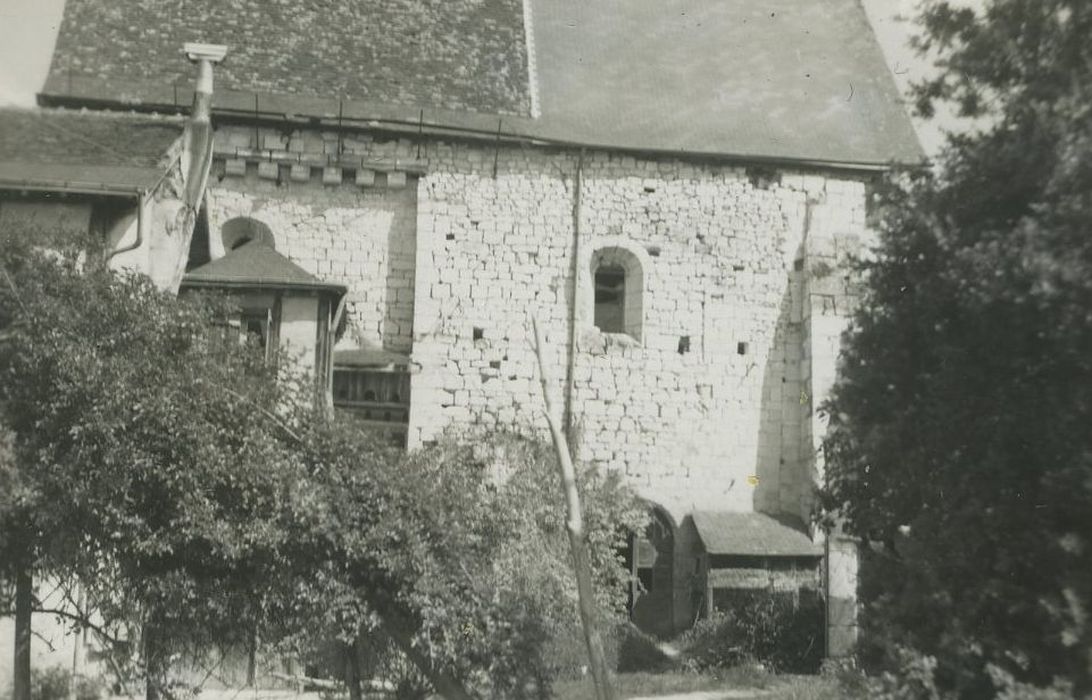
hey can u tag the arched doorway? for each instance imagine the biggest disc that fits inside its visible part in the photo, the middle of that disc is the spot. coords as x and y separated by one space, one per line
650 558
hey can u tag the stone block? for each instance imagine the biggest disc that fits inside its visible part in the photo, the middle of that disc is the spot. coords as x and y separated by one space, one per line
268 170
300 172
365 177
396 179
331 175
235 167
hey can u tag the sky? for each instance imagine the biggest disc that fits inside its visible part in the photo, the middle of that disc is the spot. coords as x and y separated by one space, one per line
28 30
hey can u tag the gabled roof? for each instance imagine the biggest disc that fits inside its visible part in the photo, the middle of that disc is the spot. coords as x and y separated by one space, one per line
752 534
255 265
757 79
92 151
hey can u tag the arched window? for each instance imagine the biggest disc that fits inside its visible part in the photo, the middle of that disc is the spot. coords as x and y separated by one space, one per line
241 230
610 299
618 290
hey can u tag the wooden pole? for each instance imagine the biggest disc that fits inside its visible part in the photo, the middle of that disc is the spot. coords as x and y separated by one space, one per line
604 688
24 594
570 368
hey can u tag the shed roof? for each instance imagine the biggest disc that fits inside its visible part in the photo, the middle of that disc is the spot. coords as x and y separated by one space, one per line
255 265
778 79
368 355
92 151
752 534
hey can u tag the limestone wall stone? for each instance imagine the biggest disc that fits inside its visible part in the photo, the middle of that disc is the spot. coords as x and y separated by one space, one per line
706 410
360 236
741 298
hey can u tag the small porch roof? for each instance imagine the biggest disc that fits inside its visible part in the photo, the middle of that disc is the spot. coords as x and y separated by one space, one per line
753 534
255 265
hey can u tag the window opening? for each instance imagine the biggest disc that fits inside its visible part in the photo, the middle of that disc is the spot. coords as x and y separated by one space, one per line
254 326
242 230
610 299
377 398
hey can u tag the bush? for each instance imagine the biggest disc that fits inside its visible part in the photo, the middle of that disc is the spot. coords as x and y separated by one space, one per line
775 630
88 688
638 651
51 683
914 676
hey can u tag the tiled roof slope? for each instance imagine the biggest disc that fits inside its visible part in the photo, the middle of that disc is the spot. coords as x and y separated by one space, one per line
752 534
88 150
458 54
796 79
781 79
256 265
85 138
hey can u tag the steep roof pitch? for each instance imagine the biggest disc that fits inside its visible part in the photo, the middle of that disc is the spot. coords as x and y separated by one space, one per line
778 79
98 150
752 534
255 265
797 79
458 54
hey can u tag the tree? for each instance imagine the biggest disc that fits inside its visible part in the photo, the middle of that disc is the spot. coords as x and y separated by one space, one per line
464 572
959 447
197 491
141 465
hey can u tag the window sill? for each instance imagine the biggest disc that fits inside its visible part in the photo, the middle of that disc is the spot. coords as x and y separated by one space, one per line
597 342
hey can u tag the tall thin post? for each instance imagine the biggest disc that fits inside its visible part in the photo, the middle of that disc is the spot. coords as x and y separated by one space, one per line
589 618
23 599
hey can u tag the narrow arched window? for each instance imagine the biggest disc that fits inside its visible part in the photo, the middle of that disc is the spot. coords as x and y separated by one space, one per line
618 292
610 299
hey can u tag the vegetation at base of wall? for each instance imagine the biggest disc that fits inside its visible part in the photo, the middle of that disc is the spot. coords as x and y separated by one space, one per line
202 499
959 448
782 634
58 683
639 651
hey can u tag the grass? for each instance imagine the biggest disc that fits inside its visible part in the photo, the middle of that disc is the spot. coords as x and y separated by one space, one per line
766 686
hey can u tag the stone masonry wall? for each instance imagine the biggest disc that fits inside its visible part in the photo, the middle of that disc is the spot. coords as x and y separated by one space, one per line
711 408
717 426
362 237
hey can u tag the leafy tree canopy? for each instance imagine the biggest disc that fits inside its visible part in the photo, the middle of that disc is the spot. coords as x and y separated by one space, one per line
959 444
196 489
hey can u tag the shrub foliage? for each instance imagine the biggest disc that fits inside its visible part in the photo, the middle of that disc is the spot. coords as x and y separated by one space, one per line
783 633
959 447
200 494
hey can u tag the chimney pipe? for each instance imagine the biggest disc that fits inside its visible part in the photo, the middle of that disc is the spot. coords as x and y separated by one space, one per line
205 56
196 160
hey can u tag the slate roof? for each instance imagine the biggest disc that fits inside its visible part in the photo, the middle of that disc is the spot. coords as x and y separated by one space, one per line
89 150
459 54
761 79
255 265
752 534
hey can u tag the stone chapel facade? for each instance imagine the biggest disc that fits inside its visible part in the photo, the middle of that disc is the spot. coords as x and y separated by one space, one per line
674 197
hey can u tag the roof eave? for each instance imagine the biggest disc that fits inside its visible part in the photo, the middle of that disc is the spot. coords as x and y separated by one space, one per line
469 129
264 285
70 187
